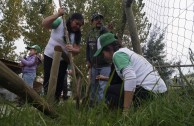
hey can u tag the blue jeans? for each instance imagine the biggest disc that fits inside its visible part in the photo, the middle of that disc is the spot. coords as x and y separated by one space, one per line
97 87
29 78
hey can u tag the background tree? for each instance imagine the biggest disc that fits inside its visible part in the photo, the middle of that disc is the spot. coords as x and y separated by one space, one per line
142 24
10 27
32 29
154 52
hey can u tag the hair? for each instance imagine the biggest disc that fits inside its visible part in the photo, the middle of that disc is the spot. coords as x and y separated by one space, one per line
75 16
116 45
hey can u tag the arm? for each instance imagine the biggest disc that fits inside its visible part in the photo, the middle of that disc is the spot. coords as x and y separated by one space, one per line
128 98
75 49
31 62
129 86
102 77
47 22
123 64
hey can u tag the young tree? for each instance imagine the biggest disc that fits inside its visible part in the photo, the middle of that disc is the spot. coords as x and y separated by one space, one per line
154 52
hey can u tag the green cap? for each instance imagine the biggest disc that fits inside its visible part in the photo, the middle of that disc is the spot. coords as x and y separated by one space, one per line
36 47
103 41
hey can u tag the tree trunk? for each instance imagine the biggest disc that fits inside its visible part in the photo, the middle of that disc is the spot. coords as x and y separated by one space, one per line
54 75
122 28
132 26
13 83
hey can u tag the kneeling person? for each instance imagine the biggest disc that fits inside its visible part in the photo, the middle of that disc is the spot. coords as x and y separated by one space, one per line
135 71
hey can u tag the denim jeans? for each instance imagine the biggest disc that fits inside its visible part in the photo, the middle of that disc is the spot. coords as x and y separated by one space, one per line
97 87
29 78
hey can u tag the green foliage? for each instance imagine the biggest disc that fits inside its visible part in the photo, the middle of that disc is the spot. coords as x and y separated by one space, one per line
143 25
170 109
32 29
154 52
9 27
7 50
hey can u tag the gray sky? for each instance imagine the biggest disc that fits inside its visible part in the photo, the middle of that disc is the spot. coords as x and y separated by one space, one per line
175 17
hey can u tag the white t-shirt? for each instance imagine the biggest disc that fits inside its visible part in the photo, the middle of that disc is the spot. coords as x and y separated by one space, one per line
132 66
57 39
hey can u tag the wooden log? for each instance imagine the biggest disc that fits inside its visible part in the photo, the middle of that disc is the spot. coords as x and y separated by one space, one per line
127 5
13 83
54 75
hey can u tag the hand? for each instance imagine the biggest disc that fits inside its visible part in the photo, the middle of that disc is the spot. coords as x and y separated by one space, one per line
20 64
101 77
88 65
69 48
61 11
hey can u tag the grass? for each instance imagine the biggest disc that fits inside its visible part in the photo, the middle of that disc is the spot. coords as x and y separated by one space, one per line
176 108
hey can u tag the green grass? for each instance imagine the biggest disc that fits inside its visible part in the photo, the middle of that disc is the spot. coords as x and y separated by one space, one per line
176 108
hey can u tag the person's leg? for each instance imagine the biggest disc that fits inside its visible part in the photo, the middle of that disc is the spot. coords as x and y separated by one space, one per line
29 78
114 96
47 69
140 95
93 87
105 71
60 79
65 97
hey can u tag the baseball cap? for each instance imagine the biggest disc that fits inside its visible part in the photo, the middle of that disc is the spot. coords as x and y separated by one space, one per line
103 41
95 15
36 47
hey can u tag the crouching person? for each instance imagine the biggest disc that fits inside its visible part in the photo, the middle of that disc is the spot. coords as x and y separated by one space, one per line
139 79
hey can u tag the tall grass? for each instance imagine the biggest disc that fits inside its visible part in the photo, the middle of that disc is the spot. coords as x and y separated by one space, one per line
176 108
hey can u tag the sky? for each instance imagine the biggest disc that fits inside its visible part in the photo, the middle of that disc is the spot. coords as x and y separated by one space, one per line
175 18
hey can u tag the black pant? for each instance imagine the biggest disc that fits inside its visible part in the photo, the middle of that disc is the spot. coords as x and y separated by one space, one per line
61 75
115 96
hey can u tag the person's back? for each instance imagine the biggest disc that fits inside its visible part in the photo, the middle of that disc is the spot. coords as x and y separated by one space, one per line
140 80
145 74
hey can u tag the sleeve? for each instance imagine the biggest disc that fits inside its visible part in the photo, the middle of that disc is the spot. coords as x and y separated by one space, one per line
121 60
124 65
56 23
31 62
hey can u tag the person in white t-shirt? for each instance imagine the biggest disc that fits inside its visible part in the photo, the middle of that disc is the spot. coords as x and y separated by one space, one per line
140 79
57 38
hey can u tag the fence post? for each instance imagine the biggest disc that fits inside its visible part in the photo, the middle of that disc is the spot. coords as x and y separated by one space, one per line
54 75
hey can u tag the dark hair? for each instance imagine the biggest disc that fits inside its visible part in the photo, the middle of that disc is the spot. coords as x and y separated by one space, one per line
74 16
116 45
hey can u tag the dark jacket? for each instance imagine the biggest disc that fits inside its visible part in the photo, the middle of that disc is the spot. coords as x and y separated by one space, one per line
91 48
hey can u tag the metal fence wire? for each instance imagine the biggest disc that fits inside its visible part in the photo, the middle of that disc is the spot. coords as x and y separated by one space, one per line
176 19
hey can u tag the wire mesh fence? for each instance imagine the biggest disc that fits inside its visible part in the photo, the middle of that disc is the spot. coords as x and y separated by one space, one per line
175 18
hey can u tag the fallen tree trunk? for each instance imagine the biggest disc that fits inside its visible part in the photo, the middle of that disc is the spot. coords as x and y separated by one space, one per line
13 83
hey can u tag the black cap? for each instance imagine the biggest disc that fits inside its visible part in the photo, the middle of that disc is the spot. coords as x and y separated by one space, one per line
95 15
